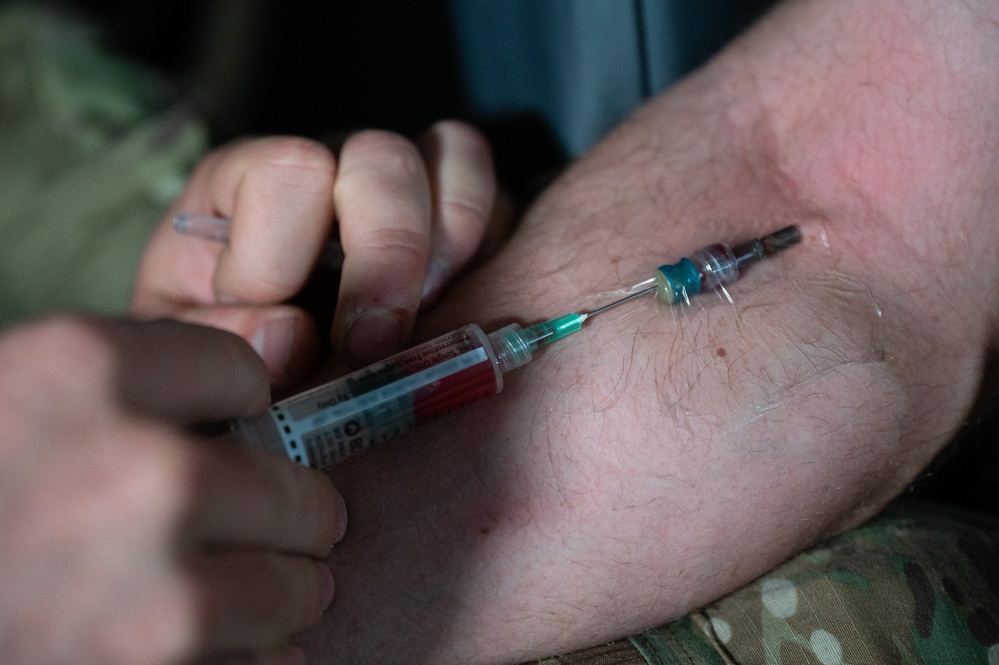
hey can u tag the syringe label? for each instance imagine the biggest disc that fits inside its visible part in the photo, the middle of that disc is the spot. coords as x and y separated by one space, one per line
396 389
355 421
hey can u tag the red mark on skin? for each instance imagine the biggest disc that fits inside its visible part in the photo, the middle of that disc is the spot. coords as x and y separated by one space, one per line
721 352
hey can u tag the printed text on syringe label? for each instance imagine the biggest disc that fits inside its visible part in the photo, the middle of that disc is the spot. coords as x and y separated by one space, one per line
358 420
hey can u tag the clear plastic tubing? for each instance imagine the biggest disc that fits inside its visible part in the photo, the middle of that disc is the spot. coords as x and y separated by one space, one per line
331 422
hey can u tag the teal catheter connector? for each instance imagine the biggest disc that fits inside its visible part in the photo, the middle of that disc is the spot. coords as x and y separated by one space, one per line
555 329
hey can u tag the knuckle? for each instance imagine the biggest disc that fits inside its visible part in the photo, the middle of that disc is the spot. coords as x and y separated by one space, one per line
299 153
464 216
405 246
256 284
405 238
59 347
462 132
303 162
393 153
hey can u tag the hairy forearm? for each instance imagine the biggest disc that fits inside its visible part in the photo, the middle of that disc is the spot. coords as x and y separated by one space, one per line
662 458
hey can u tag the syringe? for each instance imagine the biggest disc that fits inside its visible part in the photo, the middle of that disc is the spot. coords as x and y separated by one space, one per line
714 266
322 426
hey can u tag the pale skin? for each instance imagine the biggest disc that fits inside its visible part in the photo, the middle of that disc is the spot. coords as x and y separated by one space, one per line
659 460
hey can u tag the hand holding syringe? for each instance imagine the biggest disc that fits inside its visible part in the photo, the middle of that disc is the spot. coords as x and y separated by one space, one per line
382 401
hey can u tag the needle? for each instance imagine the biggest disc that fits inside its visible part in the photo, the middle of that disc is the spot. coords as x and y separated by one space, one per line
618 302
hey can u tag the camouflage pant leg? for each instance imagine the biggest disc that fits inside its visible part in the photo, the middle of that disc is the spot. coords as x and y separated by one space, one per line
919 585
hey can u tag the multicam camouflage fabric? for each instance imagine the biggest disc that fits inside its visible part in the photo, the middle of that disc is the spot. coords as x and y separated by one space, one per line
919 586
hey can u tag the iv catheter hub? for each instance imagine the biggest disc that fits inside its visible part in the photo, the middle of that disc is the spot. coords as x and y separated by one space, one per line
716 265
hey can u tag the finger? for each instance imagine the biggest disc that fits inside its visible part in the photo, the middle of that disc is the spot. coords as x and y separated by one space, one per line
284 337
501 222
250 498
184 372
463 187
279 194
382 201
257 600
176 271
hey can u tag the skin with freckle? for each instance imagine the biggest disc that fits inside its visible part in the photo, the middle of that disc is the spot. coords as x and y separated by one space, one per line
664 457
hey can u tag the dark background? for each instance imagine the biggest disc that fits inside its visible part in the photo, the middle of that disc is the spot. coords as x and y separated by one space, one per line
313 67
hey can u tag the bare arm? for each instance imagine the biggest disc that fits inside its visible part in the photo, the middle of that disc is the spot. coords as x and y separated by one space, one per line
661 459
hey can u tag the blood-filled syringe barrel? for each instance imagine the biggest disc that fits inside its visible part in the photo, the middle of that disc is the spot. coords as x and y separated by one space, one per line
322 426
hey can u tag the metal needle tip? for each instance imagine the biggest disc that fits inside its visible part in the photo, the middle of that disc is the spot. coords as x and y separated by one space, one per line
618 302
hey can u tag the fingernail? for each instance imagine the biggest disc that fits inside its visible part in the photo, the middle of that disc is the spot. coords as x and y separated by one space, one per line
324 580
273 342
437 274
373 335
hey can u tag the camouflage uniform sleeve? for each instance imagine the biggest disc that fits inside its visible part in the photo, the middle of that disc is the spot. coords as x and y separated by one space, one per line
919 585
95 149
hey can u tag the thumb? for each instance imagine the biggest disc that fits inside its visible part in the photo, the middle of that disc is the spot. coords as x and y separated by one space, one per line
284 337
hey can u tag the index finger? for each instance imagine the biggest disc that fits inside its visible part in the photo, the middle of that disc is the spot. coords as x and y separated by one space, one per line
278 192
